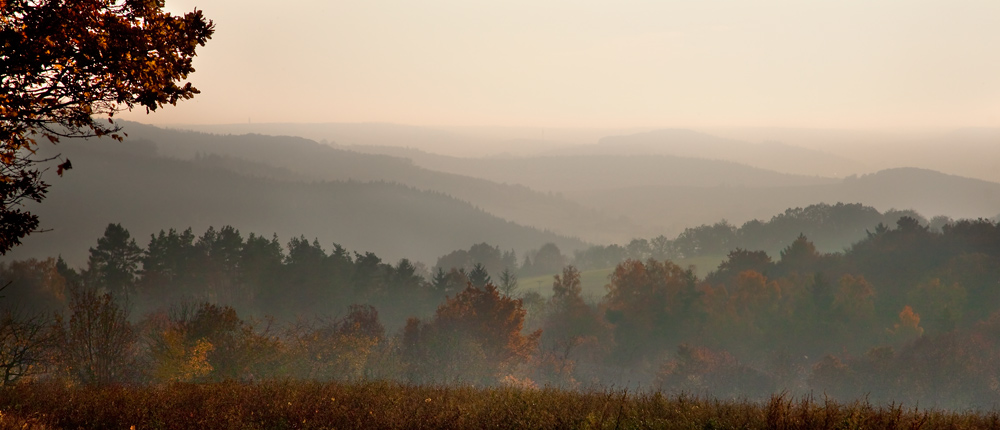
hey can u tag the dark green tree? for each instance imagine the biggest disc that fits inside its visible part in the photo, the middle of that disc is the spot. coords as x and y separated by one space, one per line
260 267
548 260
740 260
114 263
369 276
221 267
479 277
449 283
403 278
170 266
800 256
508 283
306 285
406 292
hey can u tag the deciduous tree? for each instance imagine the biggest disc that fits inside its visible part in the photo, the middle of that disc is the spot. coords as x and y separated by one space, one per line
475 337
651 305
25 343
63 62
98 344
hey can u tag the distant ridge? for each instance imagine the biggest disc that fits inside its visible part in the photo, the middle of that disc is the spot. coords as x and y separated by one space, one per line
161 178
308 160
127 183
774 156
928 192
578 173
605 198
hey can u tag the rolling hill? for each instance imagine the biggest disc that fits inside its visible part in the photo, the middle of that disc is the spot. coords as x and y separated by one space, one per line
128 183
397 205
671 209
293 158
579 173
768 155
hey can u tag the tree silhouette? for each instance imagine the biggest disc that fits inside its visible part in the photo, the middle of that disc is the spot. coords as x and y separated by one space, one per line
450 282
61 63
114 263
169 265
98 343
738 261
221 264
508 283
24 341
479 277
548 260
569 323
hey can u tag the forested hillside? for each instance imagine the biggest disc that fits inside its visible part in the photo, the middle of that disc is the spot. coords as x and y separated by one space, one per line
313 161
578 173
668 180
598 198
128 183
834 228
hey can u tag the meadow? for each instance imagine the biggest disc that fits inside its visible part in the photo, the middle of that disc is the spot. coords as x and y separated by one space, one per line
315 405
593 281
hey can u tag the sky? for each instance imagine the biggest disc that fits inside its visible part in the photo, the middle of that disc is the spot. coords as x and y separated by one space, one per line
584 63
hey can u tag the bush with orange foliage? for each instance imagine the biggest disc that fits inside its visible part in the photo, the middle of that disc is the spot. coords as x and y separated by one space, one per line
702 371
474 337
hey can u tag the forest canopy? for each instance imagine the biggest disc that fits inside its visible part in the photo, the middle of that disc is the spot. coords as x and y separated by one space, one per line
905 314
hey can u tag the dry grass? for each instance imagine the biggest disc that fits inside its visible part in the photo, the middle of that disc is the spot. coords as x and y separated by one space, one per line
311 405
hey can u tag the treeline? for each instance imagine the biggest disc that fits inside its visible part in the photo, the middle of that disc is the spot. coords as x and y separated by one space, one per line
256 275
834 227
546 260
906 314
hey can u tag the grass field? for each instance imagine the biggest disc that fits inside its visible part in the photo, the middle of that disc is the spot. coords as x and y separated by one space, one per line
593 281
311 405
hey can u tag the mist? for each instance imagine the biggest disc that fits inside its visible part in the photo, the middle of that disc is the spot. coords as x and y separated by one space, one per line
750 280
727 201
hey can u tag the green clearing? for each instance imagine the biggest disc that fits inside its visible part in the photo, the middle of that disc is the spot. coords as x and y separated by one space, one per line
593 281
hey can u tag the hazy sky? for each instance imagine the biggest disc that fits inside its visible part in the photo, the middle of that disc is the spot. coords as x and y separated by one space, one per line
583 63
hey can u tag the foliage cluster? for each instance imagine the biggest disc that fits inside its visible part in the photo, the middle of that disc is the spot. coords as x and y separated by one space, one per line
907 314
65 63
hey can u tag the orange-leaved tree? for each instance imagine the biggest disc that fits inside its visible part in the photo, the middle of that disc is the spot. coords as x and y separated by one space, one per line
652 306
64 61
474 337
